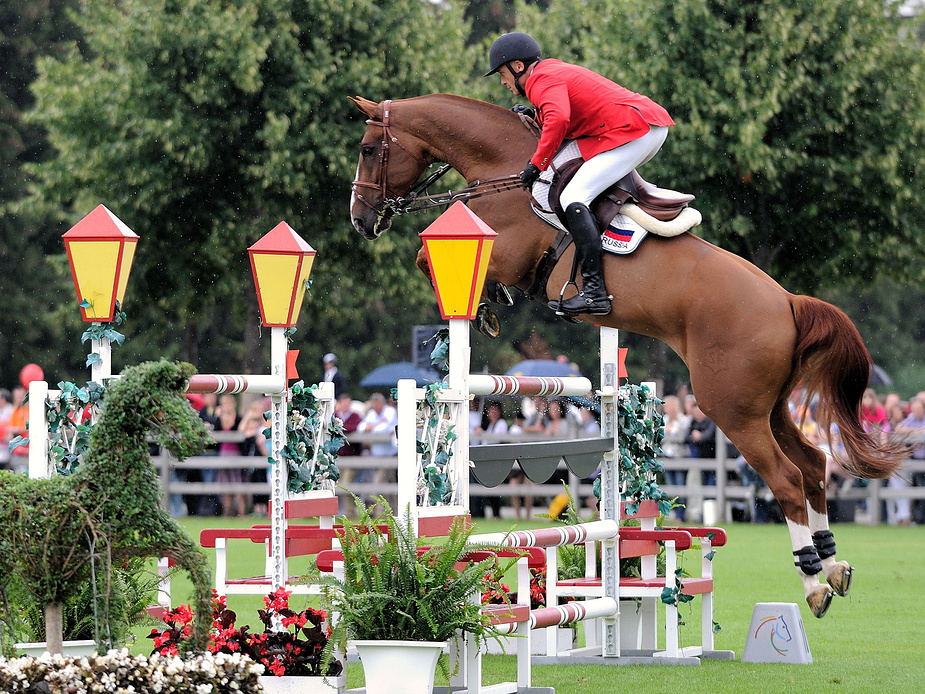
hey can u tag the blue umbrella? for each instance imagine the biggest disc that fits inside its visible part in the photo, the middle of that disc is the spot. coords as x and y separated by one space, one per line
388 376
543 367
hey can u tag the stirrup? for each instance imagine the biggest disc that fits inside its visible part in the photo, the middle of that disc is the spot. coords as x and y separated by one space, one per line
556 305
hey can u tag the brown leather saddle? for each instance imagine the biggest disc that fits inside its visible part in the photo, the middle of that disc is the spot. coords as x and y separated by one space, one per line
660 203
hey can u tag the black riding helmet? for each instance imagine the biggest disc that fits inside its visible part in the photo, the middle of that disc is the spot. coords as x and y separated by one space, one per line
514 46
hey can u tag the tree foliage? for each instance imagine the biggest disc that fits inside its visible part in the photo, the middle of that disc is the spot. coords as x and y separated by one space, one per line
800 123
203 123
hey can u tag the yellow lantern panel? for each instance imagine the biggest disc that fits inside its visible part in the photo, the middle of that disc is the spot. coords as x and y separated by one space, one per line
281 285
128 257
459 267
96 271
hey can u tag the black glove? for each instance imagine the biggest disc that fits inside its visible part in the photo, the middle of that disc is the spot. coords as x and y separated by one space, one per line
529 175
522 110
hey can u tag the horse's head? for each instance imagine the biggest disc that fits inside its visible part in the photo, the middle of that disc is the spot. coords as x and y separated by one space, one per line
391 161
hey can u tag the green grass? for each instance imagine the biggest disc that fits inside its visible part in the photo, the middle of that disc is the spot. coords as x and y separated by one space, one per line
871 641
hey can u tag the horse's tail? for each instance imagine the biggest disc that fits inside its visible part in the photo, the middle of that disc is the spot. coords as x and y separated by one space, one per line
833 362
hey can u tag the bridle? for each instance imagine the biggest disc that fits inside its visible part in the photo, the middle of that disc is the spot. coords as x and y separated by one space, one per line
414 201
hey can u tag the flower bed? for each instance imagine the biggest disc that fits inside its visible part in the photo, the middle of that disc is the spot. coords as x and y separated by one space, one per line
118 671
292 643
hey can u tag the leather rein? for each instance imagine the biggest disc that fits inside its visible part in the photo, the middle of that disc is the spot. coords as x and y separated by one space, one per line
415 201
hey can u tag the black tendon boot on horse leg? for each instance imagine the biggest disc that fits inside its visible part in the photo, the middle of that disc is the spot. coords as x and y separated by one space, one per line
593 298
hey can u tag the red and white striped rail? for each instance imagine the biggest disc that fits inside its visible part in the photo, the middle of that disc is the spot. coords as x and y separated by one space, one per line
574 611
489 384
594 531
229 383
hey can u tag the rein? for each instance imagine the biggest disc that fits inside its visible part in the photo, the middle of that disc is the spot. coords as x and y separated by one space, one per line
414 201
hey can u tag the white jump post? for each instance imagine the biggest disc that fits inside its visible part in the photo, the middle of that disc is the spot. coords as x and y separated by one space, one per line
610 484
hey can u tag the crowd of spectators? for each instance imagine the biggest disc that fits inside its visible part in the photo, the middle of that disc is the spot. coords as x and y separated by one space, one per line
689 433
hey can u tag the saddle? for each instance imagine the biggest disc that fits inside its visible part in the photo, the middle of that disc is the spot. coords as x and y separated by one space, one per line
660 203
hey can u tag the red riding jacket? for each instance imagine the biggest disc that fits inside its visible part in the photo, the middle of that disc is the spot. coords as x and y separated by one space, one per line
577 103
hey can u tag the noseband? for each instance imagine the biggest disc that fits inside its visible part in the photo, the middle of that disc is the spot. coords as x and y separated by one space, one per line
414 201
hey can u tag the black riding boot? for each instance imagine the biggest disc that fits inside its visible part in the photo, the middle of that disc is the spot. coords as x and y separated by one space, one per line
593 298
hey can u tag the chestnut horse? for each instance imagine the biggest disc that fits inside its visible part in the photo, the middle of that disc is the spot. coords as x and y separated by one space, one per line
746 340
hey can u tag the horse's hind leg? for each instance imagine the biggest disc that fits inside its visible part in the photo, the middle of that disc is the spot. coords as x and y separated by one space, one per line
812 463
756 442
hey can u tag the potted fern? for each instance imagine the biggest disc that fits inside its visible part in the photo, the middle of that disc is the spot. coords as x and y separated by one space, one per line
401 603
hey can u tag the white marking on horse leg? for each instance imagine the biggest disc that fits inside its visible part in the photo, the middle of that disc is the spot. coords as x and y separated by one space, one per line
800 535
817 522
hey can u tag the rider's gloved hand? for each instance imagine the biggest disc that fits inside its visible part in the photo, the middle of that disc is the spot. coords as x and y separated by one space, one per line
529 175
522 110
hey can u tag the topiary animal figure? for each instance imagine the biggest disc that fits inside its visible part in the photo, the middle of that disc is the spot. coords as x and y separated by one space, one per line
57 529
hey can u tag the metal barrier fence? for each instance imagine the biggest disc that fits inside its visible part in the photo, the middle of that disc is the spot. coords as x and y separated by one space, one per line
727 491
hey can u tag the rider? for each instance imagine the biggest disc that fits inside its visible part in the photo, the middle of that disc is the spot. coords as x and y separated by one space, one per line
617 130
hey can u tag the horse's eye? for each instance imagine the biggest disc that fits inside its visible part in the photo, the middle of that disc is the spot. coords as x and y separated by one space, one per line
367 150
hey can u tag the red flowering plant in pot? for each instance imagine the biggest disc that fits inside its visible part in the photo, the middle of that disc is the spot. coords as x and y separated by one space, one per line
292 643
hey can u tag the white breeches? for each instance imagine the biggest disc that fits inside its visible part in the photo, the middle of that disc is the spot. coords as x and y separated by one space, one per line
603 170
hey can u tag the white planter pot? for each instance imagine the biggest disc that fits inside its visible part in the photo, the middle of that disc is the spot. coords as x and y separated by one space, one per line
399 667
75 648
303 685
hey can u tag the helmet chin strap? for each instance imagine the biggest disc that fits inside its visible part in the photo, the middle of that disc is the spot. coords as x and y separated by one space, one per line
518 75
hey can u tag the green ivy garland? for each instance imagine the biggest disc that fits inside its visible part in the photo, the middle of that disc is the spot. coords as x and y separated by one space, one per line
437 433
435 446
310 464
641 432
100 331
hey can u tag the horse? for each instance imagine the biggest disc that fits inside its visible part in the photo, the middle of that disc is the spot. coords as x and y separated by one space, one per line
56 528
747 342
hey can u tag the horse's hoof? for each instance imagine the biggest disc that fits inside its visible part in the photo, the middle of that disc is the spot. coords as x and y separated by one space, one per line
840 578
819 601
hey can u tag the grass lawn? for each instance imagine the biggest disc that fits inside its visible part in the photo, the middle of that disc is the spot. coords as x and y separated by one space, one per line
871 641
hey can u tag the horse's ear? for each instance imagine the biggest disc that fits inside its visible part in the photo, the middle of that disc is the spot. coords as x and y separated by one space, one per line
365 105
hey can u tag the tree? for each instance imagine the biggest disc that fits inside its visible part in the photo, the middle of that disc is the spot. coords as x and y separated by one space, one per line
800 124
203 123
33 272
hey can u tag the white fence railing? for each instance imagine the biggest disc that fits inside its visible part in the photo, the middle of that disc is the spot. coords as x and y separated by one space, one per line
729 488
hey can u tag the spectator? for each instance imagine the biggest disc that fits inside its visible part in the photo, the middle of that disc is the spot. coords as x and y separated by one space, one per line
558 425
536 423
913 426
6 411
701 437
332 374
252 426
233 504
494 423
350 419
588 422
204 504
674 445
380 418
19 456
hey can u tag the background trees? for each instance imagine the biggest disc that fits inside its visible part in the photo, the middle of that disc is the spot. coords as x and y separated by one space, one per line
203 123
